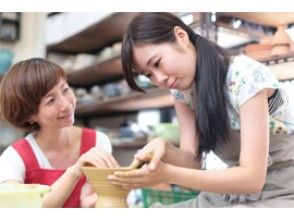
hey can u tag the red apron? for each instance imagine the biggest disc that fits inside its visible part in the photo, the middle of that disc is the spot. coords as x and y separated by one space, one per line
36 175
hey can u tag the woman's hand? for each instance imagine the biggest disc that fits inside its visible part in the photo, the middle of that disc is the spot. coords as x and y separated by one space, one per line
140 178
88 196
153 173
152 154
94 157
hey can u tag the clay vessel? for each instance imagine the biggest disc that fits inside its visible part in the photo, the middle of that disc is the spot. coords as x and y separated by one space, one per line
108 195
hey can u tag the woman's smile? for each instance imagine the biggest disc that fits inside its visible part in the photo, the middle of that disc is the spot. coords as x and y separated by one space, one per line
173 84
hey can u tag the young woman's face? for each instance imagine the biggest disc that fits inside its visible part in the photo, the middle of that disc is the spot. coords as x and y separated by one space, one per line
57 107
168 65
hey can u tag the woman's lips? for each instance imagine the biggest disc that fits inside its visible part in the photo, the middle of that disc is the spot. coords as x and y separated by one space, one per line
173 84
65 116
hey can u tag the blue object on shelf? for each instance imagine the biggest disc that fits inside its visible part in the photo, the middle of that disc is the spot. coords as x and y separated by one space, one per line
6 56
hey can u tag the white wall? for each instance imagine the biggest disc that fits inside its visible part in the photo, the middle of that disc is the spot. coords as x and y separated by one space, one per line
64 25
32 37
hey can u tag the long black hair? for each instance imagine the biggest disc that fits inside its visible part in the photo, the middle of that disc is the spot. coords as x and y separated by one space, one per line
212 120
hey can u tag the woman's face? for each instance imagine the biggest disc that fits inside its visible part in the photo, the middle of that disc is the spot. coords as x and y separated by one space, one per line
168 65
57 107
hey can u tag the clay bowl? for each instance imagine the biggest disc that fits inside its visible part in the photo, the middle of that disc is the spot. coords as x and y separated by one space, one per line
108 195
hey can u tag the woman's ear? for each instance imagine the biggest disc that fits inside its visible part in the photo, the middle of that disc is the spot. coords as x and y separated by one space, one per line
181 36
31 120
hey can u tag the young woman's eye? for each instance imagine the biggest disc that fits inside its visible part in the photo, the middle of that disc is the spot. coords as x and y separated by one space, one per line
146 74
157 63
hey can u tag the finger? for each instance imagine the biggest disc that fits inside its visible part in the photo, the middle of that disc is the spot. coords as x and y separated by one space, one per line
108 158
105 158
154 162
131 184
96 162
122 185
116 183
131 174
136 163
90 158
114 163
128 184
144 155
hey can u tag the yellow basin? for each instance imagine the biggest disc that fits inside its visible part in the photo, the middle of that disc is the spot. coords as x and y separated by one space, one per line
22 195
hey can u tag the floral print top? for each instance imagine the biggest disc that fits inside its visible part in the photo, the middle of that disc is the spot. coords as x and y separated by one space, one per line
245 78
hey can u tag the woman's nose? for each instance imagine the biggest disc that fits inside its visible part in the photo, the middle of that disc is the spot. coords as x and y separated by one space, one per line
64 103
160 76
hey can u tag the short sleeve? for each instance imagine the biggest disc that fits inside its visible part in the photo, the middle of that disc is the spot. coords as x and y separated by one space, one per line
11 166
247 77
186 96
178 95
102 141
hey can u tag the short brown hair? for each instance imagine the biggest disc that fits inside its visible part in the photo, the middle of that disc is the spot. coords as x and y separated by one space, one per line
23 87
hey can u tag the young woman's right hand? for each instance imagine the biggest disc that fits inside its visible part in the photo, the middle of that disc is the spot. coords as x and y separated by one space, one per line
152 153
95 157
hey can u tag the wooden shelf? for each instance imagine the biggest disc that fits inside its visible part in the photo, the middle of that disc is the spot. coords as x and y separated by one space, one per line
154 98
264 18
282 66
97 73
94 38
277 59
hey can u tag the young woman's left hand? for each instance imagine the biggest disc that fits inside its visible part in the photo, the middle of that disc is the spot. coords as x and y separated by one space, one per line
140 178
88 196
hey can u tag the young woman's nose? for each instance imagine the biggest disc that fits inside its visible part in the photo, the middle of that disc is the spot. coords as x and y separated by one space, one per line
160 76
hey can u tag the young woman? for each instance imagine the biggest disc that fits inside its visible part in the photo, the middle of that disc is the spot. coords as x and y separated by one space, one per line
233 106
35 96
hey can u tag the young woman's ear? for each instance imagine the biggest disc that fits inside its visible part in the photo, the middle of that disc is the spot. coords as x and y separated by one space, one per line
181 36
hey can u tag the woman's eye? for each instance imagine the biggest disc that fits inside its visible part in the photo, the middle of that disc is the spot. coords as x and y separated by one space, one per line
50 101
66 89
148 75
157 63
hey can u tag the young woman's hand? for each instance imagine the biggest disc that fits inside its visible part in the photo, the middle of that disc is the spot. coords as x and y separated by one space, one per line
151 154
143 177
151 174
95 157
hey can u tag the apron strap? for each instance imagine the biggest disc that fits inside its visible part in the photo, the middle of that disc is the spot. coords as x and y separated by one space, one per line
88 140
24 149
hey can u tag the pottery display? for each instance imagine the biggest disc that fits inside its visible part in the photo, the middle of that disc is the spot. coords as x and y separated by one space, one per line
22 195
108 195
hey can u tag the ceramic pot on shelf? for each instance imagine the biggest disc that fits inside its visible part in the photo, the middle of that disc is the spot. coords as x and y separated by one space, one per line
108 195
281 41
